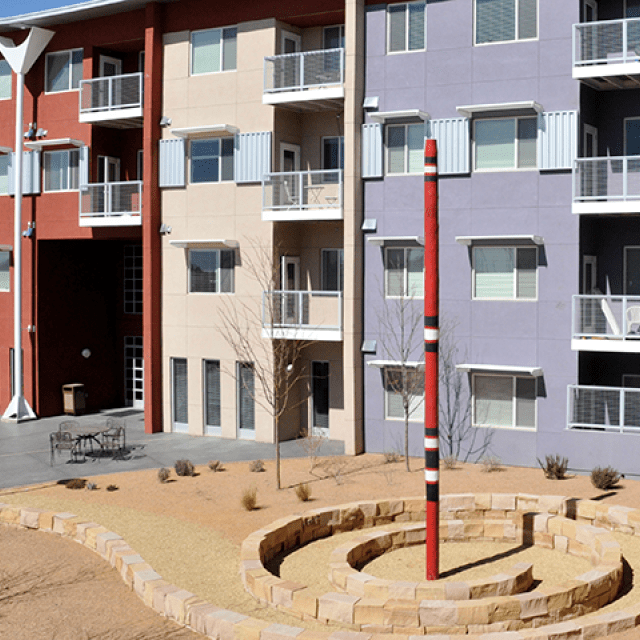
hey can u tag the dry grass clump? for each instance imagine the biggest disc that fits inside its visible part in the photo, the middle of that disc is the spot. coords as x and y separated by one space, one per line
257 466
392 456
450 462
184 468
112 487
606 478
555 467
163 474
491 463
216 465
303 492
249 498
76 483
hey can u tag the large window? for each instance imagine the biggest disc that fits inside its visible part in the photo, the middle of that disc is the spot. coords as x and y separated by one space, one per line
506 144
212 394
405 148
5 80
406 27
397 385
61 170
504 401
211 271
133 278
212 160
5 258
63 71
5 161
404 272
505 273
332 269
246 408
505 20
214 50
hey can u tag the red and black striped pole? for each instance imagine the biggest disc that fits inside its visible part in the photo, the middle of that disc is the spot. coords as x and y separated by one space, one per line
431 446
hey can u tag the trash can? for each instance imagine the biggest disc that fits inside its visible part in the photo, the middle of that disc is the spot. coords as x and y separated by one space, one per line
73 398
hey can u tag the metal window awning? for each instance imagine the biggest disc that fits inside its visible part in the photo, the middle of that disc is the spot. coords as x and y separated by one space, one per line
384 364
205 131
500 240
204 244
526 107
6 150
406 115
6 247
55 142
534 372
398 241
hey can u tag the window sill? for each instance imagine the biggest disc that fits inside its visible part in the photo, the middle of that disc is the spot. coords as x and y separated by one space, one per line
502 427
395 53
504 299
211 73
506 170
514 41
55 93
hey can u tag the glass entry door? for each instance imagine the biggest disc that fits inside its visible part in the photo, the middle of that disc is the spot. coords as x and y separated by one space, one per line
320 398
180 408
134 372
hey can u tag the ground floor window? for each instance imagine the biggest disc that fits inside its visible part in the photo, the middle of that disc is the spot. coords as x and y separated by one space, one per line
504 401
179 379
212 396
245 378
401 383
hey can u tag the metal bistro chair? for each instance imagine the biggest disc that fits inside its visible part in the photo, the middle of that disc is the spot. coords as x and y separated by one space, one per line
59 440
115 436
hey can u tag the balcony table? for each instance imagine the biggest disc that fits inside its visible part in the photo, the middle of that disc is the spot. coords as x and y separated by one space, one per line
83 433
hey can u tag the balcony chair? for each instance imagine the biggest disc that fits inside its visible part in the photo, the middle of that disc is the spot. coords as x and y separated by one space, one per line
115 436
611 320
291 200
633 318
59 440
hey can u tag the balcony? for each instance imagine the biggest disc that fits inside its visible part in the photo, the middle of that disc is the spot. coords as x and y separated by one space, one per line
302 315
302 196
606 323
606 185
603 408
114 101
606 54
111 204
305 81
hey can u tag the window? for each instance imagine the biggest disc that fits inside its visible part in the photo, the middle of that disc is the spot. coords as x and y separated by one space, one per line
505 20
5 259
133 278
63 71
406 27
332 269
212 393
211 271
395 384
140 165
504 401
180 393
333 37
212 160
506 143
5 80
213 50
245 378
332 157
61 170
404 273
5 162
505 273
405 148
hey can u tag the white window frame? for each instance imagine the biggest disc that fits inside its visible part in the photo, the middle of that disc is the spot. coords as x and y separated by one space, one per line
323 284
515 120
514 297
416 412
222 38
211 429
420 296
406 38
405 171
70 53
514 379
218 272
219 180
8 271
4 68
69 171
5 158
516 38
341 34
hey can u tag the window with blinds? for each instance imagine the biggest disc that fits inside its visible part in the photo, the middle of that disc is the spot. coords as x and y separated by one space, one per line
397 386
405 148
212 393
5 80
211 271
505 273
180 393
214 50
505 20
504 401
506 143
332 269
246 396
5 282
406 27
62 170
404 272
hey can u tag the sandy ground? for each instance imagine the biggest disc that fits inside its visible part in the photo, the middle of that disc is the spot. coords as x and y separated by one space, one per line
190 529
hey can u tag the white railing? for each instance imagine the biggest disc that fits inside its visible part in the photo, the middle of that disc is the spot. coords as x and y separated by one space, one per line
606 42
609 317
111 200
316 310
615 179
302 190
111 93
603 408
304 70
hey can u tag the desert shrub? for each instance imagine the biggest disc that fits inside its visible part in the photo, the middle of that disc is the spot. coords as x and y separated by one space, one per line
303 492
215 465
311 445
184 468
163 474
555 467
91 486
257 466
491 463
450 462
112 487
392 456
606 478
249 498
76 483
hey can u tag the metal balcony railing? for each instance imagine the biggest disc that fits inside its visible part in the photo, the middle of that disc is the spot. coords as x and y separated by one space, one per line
606 42
606 317
614 179
603 408
304 70
111 93
315 310
302 190
111 200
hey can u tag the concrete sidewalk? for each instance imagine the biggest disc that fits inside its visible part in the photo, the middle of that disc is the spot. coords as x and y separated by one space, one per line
25 453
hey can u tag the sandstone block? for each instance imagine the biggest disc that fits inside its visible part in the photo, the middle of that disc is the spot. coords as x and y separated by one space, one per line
305 603
430 591
526 502
456 591
102 540
140 579
561 543
540 521
435 613
282 592
401 613
10 514
249 629
403 590
337 606
483 501
473 612
221 623
506 608
368 611
159 594
30 518
356 583
503 501
532 605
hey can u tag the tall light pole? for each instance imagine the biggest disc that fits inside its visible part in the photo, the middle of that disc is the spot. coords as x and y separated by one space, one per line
20 59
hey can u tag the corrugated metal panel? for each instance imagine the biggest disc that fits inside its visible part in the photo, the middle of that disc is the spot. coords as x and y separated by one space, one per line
372 150
30 173
84 165
557 139
36 157
453 138
172 162
252 156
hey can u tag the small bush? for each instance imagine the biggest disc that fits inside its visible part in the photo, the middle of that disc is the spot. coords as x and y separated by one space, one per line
555 467
91 486
257 466
215 465
112 487
163 474
606 478
303 492
184 468
249 498
450 462
491 463
392 456
76 483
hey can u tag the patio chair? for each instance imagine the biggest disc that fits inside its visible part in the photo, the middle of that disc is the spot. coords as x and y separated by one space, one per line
633 317
115 436
59 440
292 201
67 425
